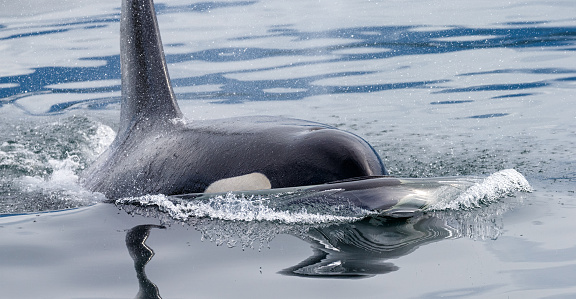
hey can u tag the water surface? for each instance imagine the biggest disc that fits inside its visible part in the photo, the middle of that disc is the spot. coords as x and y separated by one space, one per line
438 88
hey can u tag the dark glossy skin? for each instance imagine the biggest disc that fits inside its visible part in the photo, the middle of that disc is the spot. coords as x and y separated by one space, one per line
155 151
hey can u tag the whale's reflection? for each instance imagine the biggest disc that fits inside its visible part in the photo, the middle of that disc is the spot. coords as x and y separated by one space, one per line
348 250
142 254
362 249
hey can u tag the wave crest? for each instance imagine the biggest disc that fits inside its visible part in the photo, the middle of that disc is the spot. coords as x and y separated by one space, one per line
498 185
239 207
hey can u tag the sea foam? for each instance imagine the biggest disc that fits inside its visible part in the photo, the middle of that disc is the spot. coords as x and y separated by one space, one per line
250 207
236 207
485 191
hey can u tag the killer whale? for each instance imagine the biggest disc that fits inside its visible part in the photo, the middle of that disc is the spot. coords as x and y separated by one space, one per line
157 151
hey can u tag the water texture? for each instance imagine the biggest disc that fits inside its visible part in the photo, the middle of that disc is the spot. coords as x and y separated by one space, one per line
477 92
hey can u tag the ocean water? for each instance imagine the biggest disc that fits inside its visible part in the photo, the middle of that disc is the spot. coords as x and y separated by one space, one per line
476 92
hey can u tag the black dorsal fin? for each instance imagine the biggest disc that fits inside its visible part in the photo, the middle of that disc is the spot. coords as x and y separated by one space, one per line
147 97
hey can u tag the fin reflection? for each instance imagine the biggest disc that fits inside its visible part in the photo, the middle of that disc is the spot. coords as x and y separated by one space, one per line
142 254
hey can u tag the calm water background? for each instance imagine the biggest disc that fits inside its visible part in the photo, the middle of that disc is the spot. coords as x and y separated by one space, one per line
440 88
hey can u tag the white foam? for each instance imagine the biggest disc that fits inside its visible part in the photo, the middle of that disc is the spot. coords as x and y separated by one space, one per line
44 164
235 207
239 207
18 156
102 139
63 182
491 189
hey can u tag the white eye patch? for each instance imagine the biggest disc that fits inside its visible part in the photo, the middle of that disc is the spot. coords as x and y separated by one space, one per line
251 181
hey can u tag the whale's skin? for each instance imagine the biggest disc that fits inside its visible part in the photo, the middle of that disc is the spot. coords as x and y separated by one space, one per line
157 151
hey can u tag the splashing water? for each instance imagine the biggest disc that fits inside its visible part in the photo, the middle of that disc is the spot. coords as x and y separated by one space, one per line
486 191
449 194
39 165
239 207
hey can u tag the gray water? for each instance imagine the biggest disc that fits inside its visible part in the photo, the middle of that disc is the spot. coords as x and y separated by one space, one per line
439 88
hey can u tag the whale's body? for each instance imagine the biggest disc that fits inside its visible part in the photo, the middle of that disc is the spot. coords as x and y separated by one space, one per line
156 151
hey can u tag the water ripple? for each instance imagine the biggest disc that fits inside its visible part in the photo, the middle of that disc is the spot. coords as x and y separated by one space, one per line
371 44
